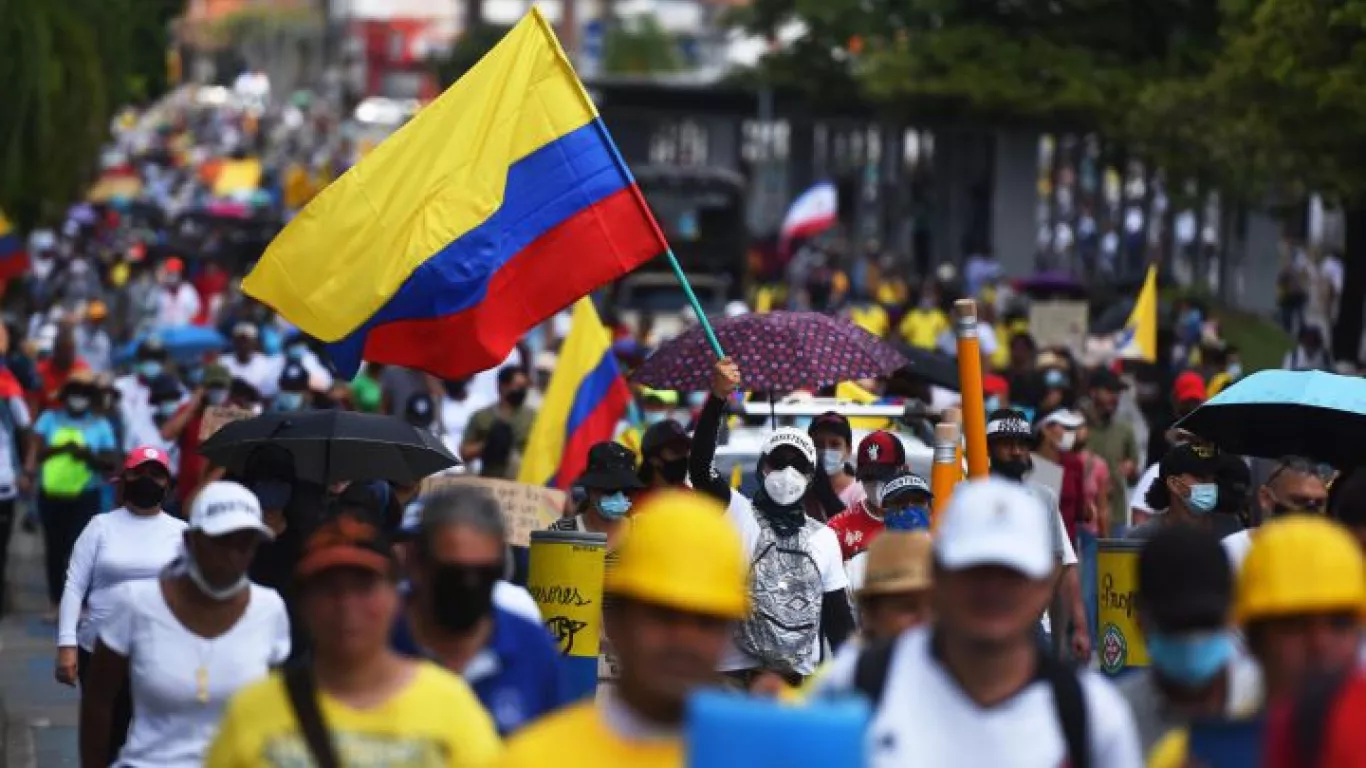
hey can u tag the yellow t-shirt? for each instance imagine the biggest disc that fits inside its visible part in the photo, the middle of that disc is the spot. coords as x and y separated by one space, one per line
871 318
435 721
577 737
1170 750
921 327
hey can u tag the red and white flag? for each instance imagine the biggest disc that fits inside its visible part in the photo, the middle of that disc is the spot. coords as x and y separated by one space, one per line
813 212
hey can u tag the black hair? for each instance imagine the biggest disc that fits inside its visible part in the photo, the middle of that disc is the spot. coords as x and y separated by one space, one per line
507 373
1347 499
1159 496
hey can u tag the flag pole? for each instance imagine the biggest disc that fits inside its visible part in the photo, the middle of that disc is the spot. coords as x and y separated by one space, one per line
692 299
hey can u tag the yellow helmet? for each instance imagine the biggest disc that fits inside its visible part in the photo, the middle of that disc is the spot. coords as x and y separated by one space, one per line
1301 564
682 552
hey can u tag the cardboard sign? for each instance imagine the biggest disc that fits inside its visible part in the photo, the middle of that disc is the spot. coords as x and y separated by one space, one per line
526 508
217 416
1059 324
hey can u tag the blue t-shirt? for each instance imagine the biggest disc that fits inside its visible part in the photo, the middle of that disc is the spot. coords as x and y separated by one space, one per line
95 430
516 676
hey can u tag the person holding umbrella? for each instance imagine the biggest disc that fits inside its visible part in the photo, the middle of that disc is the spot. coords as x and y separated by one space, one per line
610 476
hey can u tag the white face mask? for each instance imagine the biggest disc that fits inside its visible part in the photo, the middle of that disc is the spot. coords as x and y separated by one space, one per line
1067 441
785 486
832 461
214 593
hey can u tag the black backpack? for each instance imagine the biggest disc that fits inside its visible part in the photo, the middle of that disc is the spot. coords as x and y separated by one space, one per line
1069 703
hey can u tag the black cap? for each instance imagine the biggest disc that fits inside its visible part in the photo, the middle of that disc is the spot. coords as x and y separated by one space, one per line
163 387
611 467
1185 582
293 378
420 412
1104 378
831 422
1195 459
665 433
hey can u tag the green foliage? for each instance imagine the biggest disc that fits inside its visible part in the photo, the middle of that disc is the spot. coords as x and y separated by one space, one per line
468 50
640 47
67 67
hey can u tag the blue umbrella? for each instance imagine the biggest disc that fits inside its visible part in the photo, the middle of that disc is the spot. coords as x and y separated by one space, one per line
1287 413
184 343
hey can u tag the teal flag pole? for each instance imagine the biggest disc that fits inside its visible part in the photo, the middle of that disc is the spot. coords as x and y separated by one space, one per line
696 305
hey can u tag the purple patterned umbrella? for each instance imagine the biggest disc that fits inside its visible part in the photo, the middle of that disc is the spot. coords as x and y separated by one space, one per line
776 352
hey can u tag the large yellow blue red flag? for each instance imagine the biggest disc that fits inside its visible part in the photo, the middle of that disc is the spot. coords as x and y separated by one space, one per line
1138 340
586 398
499 204
13 255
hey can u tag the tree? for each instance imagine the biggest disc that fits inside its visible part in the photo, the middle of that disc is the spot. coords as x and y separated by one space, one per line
68 66
640 47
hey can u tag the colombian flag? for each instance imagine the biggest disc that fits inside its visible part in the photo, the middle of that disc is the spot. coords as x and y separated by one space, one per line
502 202
13 257
586 398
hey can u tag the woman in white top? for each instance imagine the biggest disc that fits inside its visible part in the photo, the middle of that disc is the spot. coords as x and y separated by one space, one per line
185 643
134 541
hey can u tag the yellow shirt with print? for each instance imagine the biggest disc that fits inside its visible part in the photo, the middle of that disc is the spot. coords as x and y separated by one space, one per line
577 737
435 721
922 327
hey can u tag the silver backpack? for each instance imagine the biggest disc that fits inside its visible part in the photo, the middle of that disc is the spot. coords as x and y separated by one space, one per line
786 592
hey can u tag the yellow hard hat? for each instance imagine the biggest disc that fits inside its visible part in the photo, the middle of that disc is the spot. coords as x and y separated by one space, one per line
1301 564
682 552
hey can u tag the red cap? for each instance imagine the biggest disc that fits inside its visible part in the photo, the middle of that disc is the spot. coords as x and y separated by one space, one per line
993 384
880 455
174 264
145 454
1188 386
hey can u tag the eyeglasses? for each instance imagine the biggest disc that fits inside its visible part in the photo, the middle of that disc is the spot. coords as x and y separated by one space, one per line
1302 465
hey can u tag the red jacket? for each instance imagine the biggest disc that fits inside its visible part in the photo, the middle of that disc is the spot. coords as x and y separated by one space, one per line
1341 736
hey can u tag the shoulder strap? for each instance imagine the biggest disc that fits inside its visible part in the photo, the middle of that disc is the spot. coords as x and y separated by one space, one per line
870 671
1069 703
1309 718
303 697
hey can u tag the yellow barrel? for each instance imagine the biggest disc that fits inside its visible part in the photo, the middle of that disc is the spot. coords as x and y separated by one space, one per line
565 578
1119 646
970 386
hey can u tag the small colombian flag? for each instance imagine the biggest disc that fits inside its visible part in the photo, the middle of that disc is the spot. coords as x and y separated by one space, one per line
13 256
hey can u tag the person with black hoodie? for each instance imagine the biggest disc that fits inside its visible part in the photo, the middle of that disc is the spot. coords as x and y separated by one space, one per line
798 585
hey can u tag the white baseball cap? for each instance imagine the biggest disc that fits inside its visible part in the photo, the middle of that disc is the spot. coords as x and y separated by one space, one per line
992 521
1065 418
224 507
793 438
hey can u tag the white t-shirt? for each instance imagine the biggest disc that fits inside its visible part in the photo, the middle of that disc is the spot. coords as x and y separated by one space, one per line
1138 499
115 547
134 398
180 681
260 371
517 600
1236 546
925 719
177 306
825 550
20 417
455 416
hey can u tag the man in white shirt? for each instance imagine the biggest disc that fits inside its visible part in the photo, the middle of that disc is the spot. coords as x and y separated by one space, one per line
248 363
974 689
178 303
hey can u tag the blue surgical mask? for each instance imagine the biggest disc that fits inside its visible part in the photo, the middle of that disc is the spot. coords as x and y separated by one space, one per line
1234 371
1204 498
167 408
289 401
295 352
654 417
907 519
149 369
832 461
1054 379
614 507
1189 660
992 403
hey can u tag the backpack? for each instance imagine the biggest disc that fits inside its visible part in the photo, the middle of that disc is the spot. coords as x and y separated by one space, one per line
786 593
1069 701
65 476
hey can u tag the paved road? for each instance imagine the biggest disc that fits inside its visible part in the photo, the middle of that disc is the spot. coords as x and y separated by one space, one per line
39 723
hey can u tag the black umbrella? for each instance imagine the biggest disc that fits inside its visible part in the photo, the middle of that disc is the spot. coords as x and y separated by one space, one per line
932 366
335 445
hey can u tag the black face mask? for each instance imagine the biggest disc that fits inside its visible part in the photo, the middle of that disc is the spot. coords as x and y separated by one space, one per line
1012 469
143 492
515 397
461 595
674 472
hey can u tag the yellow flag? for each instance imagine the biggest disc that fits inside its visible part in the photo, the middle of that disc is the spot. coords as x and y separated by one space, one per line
1138 341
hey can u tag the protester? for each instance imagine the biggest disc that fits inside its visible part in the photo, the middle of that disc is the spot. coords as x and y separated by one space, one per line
1186 488
1348 506
458 557
56 370
292 392
135 388
1057 443
164 397
497 435
248 363
1294 486
186 424
1008 439
670 617
894 591
298 351
798 586
905 506
74 447
358 702
179 302
186 642
1185 610
881 455
974 688
664 452
14 482
1113 439
93 343
607 483
1309 353
834 441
